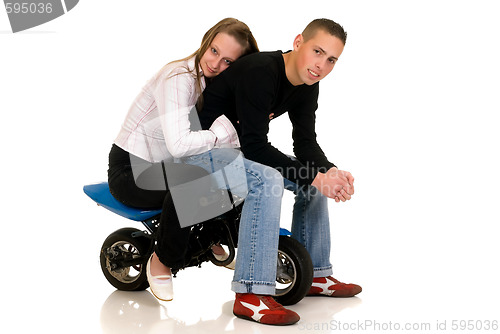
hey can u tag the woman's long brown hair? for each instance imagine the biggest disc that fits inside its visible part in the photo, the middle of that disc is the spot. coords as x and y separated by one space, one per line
230 26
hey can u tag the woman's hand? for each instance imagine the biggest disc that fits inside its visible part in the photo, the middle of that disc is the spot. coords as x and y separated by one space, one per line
226 134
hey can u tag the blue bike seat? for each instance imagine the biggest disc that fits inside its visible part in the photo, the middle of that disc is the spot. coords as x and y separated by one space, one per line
100 193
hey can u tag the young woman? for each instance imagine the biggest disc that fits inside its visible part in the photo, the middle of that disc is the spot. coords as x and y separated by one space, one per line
158 128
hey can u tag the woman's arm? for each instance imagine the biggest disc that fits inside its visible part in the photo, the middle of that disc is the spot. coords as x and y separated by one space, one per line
175 97
227 137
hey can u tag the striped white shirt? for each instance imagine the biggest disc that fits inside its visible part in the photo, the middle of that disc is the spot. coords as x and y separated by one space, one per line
157 126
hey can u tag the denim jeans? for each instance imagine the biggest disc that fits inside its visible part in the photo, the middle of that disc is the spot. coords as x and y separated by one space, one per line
255 270
311 225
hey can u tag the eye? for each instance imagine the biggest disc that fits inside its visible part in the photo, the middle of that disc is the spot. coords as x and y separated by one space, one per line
332 61
214 51
228 62
316 51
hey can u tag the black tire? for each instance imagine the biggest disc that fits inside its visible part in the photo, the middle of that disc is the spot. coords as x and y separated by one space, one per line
121 243
294 273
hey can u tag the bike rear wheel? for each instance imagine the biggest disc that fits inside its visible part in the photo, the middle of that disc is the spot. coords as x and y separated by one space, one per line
123 259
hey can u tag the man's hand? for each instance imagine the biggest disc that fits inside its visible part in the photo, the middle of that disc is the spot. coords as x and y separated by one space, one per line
336 184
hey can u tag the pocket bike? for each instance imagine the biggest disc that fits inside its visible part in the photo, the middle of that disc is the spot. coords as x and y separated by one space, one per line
125 252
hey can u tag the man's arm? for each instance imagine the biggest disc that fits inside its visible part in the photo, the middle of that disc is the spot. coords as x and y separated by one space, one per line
305 145
330 181
254 95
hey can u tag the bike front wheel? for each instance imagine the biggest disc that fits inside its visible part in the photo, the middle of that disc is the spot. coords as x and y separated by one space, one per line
294 272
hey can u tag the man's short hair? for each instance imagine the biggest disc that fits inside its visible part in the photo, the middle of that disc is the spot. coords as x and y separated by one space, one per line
328 26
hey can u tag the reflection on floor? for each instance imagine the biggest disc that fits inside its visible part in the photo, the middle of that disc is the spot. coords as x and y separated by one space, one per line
140 312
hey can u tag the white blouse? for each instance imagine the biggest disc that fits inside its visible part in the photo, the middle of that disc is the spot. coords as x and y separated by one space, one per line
157 126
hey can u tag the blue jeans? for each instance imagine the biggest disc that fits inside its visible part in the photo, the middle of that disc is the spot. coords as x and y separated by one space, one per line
255 270
311 225
258 236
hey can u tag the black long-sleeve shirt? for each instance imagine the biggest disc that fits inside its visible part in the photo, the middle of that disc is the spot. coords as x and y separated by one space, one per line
252 91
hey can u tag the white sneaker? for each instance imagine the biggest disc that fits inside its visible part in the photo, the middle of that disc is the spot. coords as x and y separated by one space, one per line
161 285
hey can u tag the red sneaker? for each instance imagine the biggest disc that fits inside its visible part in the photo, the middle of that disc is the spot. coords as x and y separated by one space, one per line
329 286
263 309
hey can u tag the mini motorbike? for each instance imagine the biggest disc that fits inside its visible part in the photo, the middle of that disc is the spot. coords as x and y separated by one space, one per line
125 252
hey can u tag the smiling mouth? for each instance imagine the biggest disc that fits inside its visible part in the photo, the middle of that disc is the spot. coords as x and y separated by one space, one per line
314 74
210 69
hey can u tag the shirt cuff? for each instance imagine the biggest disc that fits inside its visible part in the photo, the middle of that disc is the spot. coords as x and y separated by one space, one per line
226 134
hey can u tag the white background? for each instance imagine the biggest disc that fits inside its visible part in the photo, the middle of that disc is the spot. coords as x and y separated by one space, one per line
410 110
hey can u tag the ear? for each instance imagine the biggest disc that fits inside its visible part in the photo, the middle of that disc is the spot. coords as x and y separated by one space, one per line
297 41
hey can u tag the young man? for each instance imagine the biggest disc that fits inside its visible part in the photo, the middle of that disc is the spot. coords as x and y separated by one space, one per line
254 90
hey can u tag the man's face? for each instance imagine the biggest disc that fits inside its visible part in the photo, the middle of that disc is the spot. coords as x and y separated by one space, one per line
316 57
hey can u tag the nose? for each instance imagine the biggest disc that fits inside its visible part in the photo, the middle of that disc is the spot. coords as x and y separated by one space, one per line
215 63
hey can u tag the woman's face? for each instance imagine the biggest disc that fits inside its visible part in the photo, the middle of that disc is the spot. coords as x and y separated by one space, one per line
220 54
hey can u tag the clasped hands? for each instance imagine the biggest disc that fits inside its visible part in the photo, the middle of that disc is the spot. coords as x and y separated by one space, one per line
336 184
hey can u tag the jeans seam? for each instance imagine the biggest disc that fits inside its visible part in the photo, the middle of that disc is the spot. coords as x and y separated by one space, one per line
255 211
303 222
248 282
322 268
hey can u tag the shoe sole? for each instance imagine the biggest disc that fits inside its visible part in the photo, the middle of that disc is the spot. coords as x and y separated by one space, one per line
323 295
263 323
164 300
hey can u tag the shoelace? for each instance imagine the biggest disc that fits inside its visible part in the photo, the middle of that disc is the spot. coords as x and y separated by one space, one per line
332 279
271 303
